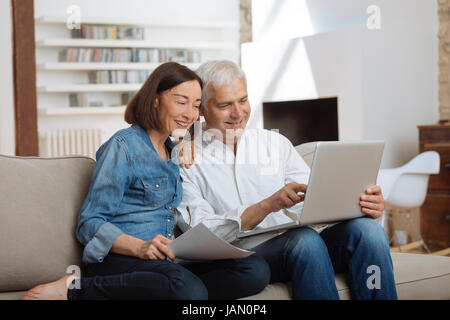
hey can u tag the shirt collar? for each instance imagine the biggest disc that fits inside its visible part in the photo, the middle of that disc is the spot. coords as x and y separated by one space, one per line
144 135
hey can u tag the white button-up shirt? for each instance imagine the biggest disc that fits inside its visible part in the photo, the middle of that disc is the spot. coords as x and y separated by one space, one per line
220 186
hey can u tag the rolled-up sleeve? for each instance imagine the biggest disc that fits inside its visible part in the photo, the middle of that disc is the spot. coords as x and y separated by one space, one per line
110 179
98 247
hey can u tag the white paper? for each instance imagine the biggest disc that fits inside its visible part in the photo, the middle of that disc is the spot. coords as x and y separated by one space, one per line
199 243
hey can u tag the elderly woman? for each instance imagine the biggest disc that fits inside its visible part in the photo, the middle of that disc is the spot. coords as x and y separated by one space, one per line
128 217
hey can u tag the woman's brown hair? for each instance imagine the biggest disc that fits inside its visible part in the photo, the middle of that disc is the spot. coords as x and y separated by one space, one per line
141 108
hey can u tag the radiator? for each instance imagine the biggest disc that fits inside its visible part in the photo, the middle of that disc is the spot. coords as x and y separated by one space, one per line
70 142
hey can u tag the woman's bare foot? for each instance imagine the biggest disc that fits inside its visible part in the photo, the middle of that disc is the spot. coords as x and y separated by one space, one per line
56 290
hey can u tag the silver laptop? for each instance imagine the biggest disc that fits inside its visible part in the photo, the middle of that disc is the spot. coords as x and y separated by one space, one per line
340 172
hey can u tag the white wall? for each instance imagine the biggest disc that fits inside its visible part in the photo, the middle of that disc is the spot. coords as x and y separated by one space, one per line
7 134
301 69
286 19
401 77
386 80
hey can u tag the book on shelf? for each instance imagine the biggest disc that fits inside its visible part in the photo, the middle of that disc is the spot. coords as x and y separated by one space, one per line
117 77
97 103
153 55
82 100
106 32
126 97
78 99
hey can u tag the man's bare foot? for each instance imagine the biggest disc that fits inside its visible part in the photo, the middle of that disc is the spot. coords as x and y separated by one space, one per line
56 290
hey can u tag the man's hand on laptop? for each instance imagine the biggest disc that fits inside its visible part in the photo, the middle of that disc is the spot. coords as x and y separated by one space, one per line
372 202
286 197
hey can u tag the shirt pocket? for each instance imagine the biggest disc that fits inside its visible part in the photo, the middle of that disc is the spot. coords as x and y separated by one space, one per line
155 191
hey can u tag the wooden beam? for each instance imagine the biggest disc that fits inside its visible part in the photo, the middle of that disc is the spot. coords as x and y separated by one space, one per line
407 247
444 252
24 73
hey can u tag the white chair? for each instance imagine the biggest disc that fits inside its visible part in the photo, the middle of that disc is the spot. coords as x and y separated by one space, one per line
406 187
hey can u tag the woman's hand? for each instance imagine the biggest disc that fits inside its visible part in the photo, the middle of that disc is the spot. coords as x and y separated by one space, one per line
156 249
186 153
372 202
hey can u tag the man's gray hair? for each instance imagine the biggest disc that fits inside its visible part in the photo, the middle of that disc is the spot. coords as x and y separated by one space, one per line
217 73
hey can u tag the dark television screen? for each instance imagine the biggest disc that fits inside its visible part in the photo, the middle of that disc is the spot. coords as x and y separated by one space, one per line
303 120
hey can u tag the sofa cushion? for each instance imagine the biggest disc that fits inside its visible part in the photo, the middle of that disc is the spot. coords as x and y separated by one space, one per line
39 207
283 290
421 276
306 151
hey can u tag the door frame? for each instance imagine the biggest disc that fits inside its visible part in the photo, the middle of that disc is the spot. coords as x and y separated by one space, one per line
24 78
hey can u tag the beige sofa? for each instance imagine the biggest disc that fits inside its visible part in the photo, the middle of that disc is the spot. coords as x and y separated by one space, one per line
39 204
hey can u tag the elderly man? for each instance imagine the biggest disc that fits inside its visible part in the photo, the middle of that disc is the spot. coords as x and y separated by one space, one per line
252 178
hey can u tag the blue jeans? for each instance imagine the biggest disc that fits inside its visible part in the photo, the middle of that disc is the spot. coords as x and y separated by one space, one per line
310 260
124 277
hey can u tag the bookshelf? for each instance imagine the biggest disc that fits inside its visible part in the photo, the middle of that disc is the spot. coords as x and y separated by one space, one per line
61 88
53 66
92 111
85 83
58 79
95 43
139 22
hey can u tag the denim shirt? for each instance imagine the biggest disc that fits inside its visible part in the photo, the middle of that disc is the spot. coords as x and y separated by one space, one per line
132 191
